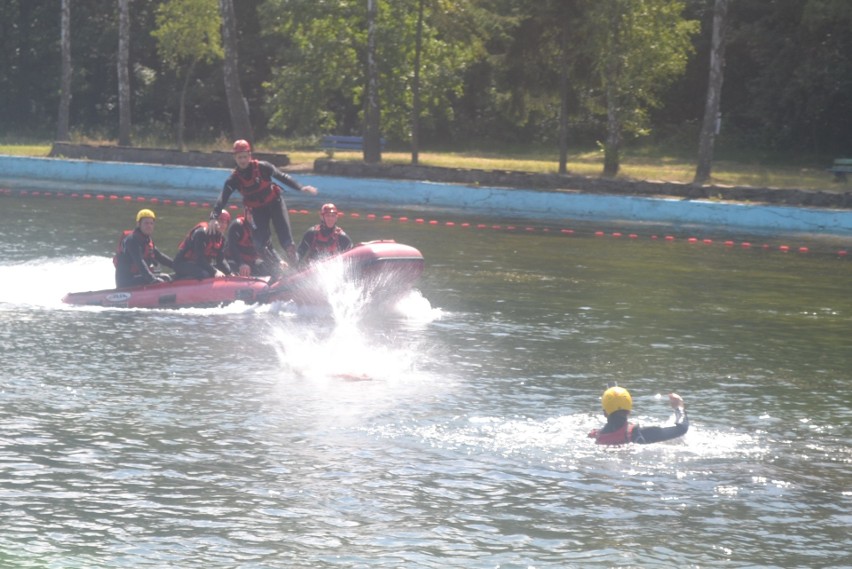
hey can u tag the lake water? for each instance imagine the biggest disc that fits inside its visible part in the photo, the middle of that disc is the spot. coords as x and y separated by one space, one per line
236 437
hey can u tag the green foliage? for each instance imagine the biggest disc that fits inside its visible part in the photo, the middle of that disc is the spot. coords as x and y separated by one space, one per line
188 32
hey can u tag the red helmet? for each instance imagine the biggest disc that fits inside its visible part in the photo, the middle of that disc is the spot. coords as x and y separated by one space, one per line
224 217
328 208
242 146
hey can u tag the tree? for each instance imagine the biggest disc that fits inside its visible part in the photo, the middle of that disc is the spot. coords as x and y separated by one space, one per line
640 46
714 93
187 33
64 118
123 72
372 113
237 104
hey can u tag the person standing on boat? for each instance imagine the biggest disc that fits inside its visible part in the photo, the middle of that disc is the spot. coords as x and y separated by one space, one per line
136 258
617 405
324 239
201 254
243 256
254 180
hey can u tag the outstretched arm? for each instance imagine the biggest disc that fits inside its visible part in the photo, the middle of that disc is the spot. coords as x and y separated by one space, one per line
647 435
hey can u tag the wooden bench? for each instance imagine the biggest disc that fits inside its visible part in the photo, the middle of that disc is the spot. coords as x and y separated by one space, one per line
842 166
332 142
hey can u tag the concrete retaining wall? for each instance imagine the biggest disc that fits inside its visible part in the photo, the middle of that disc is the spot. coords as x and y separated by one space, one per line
179 182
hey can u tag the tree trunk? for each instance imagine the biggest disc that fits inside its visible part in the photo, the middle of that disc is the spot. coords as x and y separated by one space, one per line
714 94
612 147
182 109
415 91
563 100
64 117
123 72
237 104
372 135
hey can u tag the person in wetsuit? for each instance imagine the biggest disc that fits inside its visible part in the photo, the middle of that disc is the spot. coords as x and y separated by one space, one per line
243 256
201 254
136 259
253 179
324 239
617 405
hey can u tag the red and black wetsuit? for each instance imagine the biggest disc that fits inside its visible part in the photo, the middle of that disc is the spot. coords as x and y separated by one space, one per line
136 260
263 196
322 241
240 250
200 254
618 430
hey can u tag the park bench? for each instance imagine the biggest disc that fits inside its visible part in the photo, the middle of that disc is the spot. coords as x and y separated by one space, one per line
332 142
842 166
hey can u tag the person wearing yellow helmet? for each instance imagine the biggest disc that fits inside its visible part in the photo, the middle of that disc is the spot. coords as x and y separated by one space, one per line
136 258
617 405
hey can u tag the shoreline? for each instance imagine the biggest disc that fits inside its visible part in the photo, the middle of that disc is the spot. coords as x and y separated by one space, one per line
338 182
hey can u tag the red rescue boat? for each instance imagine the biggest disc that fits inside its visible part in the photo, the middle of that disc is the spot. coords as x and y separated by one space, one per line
385 271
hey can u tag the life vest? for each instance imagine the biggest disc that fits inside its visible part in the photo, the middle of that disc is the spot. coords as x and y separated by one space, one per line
212 244
620 436
323 245
240 252
148 255
256 190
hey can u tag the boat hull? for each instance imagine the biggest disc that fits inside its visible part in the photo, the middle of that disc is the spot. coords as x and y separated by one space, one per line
385 270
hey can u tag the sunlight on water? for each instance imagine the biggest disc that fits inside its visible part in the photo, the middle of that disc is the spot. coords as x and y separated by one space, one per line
43 282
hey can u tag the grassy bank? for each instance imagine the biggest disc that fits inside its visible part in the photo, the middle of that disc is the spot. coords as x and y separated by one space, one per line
644 165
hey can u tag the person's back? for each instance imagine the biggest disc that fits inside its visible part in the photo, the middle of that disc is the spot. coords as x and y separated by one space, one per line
617 405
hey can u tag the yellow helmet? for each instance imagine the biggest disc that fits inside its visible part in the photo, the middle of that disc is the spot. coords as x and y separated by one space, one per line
143 213
616 399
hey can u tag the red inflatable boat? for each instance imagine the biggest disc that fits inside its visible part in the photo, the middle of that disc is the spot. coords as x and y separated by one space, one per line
384 270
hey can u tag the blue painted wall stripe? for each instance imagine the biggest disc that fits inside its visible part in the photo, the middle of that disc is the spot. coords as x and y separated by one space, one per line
180 182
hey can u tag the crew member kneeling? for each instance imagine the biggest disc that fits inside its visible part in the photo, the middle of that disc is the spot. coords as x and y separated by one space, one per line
617 405
201 254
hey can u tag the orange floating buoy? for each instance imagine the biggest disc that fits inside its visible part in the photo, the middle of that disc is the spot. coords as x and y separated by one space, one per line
450 224
465 224
567 231
729 243
155 200
419 220
784 248
100 197
433 222
842 253
167 201
692 240
403 219
708 241
529 229
599 233
670 238
112 198
481 226
354 215
495 227
616 234
371 216
745 245
180 202
633 236
140 199
193 204
803 249
386 218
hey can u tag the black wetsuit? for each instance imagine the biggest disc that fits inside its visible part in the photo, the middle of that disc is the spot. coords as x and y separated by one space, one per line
268 208
240 250
322 241
200 254
642 435
137 260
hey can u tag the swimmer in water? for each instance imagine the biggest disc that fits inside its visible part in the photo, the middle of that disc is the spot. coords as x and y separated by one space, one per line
617 405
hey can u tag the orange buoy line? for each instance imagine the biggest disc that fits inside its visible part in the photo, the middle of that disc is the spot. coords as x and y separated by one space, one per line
403 219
